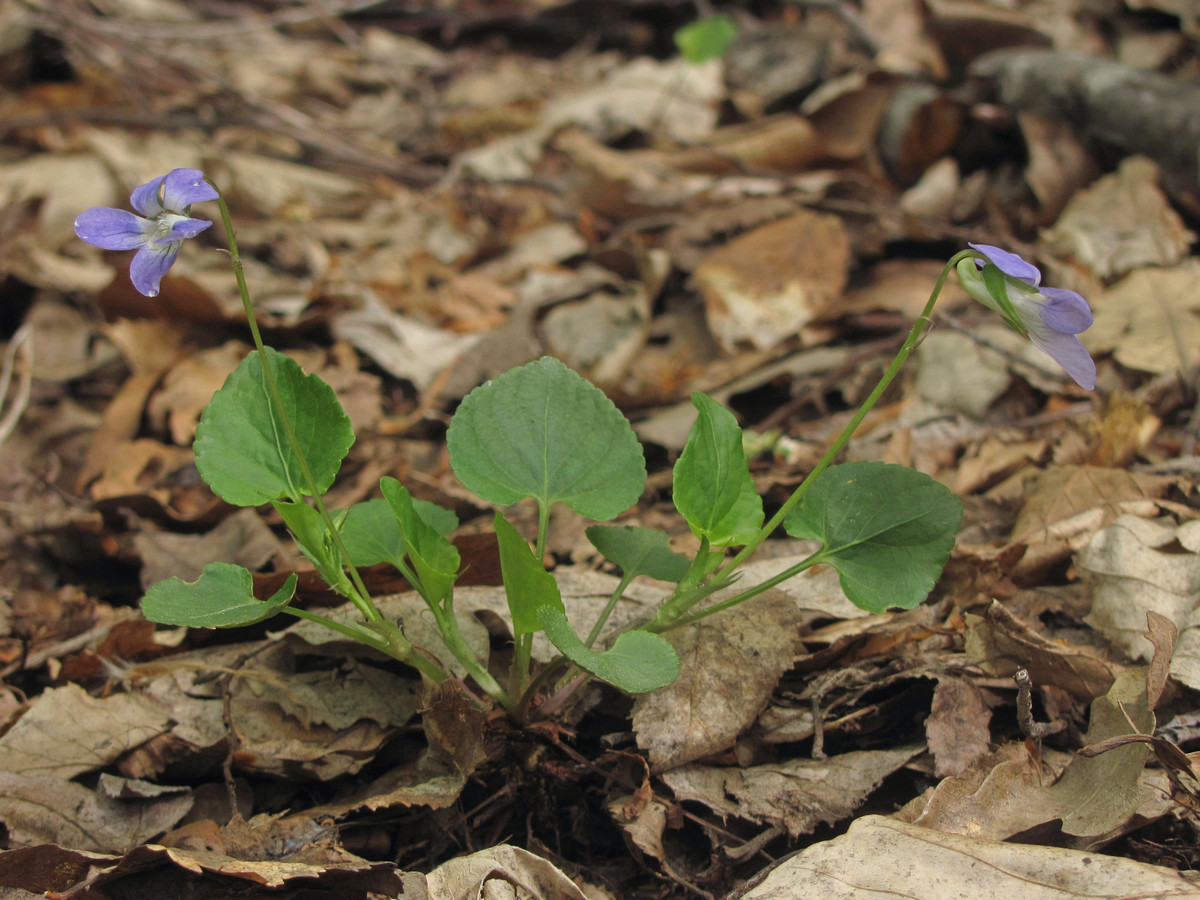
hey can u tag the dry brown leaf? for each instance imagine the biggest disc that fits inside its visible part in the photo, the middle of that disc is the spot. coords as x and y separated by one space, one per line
995 460
730 663
500 871
1148 320
763 287
1066 505
243 539
47 809
1121 223
68 732
798 794
957 726
1135 567
890 860
1000 643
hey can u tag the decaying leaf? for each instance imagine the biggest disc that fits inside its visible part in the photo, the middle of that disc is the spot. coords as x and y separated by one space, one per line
889 860
797 795
730 664
1138 566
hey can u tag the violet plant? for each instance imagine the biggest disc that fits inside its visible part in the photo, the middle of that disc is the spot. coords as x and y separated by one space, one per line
273 434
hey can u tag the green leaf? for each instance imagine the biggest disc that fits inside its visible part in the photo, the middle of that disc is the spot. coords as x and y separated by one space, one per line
241 450
434 559
543 431
637 662
222 597
372 534
888 530
527 584
713 489
306 527
706 38
639 551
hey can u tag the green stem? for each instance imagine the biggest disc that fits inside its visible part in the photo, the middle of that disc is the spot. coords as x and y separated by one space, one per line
789 572
383 636
914 338
391 639
363 600
607 611
354 632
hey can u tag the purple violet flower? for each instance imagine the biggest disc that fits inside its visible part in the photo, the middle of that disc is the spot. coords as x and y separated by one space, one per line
160 230
1050 317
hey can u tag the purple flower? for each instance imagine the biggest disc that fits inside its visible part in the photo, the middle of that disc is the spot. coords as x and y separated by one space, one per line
1050 317
160 230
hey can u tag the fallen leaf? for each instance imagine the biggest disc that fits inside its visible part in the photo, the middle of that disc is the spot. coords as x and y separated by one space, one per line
957 727
729 665
798 794
68 732
1135 566
889 860
1120 223
1148 320
764 286
1000 643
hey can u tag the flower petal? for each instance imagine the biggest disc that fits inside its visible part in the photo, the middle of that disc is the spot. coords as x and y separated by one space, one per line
182 228
1009 263
145 198
183 187
113 229
1068 352
150 264
1066 311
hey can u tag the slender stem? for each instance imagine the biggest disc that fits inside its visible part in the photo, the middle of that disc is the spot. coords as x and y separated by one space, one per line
363 600
607 611
789 572
346 629
920 326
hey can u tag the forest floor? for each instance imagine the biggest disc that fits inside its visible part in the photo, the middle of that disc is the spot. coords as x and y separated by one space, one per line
427 196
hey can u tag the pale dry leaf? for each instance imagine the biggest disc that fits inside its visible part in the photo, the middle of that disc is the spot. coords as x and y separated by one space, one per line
730 663
673 98
47 809
957 726
1000 643
1120 223
890 860
1059 165
1097 795
64 184
1148 320
402 346
646 828
1134 567
993 798
67 732
957 373
1066 505
502 871
798 794
761 288
243 539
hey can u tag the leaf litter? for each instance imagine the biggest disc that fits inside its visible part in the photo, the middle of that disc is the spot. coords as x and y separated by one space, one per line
427 200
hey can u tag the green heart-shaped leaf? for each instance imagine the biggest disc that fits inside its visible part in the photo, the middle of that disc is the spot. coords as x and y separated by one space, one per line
543 431
639 551
637 662
241 450
222 597
888 530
